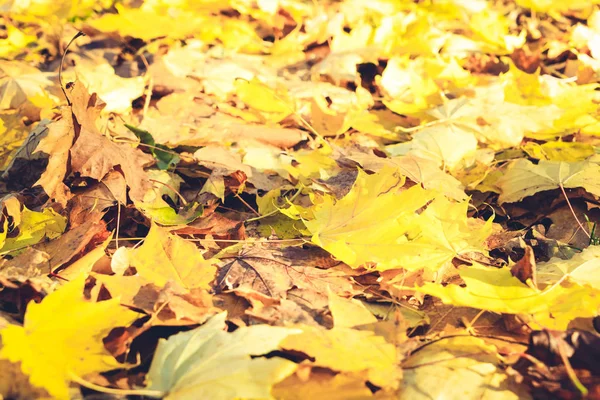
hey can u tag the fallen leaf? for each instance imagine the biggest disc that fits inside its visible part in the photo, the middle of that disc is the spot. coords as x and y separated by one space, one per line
464 367
497 290
349 350
349 313
93 155
32 226
208 362
72 333
523 178
322 385
163 257
128 22
20 82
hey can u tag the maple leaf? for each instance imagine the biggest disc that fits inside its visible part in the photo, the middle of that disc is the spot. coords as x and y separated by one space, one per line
30 226
410 90
555 8
428 174
156 208
55 142
13 133
322 385
523 178
460 367
145 25
349 350
374 223
20 82
559 151
499 291
117 92
210 363
74 327
581 268
271 105
349 313
16 41
445 145
341 228
163 257
93 155
218 74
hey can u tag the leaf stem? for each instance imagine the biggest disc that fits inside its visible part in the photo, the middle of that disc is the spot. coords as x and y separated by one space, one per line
573 211
119 392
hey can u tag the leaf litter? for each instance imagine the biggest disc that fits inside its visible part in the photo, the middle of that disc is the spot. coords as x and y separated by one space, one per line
288 199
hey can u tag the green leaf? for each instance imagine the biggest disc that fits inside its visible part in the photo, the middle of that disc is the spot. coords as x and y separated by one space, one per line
33 227
164 156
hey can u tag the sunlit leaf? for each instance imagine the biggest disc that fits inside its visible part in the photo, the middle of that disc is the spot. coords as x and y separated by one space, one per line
208 362
74 326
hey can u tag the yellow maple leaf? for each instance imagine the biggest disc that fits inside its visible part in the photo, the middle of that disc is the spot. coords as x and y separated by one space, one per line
348 313
523 178
349 350
272 105
15 42
554 7
582 268
19 82
12 133
499 291
322 385
428 173
147 25
447 145
559 151
164 257
442 232
61 339
377 223
411 91
53 9
366 224
459 367
115 91
311 164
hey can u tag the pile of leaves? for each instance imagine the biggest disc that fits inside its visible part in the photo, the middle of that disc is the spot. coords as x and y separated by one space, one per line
231 199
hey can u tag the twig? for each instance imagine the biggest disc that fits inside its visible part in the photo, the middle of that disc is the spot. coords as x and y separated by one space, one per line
467 335
62 61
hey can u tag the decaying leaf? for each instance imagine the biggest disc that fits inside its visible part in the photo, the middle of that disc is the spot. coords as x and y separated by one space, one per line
93 155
